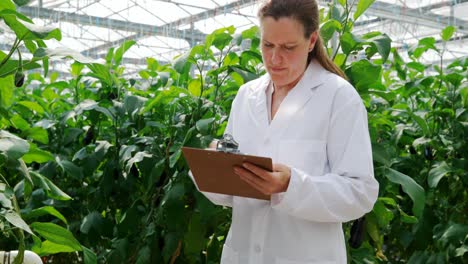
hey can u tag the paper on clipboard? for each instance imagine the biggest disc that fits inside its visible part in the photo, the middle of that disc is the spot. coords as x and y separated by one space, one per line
214 171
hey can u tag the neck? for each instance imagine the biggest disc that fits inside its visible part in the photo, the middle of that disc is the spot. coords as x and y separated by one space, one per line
287 87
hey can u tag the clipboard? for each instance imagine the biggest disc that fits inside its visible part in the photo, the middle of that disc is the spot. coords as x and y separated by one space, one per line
214 171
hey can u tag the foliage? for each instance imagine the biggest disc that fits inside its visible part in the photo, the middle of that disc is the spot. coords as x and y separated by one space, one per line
418 124
93 164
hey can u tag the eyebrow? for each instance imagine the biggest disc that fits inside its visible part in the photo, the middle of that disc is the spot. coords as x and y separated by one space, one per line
287 43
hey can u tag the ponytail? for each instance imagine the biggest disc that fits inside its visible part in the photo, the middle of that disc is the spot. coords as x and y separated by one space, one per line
320 54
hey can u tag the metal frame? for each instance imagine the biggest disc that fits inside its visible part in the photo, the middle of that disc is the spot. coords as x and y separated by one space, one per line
380 12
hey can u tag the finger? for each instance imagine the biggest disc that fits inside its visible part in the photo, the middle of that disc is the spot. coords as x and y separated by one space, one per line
280 167
254 181
262 173
241 171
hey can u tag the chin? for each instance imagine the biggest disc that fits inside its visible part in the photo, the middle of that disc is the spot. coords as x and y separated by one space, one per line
279 81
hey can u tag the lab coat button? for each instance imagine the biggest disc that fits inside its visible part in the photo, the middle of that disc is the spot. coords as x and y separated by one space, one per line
257 248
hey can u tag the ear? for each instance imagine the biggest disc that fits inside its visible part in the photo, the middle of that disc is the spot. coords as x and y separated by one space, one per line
312 40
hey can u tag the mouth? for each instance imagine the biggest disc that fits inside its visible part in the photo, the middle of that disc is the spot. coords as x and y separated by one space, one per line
277 69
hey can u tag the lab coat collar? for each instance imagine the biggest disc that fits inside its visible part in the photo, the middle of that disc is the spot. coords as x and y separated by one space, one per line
313 77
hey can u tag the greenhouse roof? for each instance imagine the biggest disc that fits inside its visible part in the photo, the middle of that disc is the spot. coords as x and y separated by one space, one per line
165 28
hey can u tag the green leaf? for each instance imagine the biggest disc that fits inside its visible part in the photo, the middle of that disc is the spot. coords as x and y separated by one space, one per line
340 59
26 30
383 214
372 227
382 43
76 69
464 96
174 158
194 240
21 2
164 97
33 106
204 126
5 202
416 66
362 6
45 66
410 187
138 157
12 146
37 155
121 51
38 134
220 38
89 256
195 87
48 248
56 234
447 33
62 52
423 45
46 210
329 28
349 42
342 3
7 5
51 189
19 123
101 72
92 222
338 13
16 220
437 173
182 63
246 75
455 234
405 218
9 68
380 154
134 103
459 252
421 122
144 74
144 255
363 74
231 59
7 86
69 167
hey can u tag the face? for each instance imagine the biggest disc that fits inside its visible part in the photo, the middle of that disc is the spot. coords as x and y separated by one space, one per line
285 50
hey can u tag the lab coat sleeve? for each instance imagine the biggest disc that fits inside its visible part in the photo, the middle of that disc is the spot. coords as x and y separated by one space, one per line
350 189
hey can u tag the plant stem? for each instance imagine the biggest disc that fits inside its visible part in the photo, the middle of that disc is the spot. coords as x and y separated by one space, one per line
343 31
176 253
8 56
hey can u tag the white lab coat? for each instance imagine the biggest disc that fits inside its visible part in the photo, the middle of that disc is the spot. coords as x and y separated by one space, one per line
321 132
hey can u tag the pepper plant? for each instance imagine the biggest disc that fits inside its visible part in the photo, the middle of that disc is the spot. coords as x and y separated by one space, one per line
98 156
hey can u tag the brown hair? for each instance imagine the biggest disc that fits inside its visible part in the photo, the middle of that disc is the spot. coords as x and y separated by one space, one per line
307 13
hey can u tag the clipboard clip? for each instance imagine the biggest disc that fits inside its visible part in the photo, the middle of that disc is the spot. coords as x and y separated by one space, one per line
228 144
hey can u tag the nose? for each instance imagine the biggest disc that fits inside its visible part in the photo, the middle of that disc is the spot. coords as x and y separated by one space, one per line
275 56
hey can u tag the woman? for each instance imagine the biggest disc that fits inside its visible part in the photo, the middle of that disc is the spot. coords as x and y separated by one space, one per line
312 123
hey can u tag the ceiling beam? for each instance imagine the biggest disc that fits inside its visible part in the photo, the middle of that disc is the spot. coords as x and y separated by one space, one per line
143 29
177 23
415 17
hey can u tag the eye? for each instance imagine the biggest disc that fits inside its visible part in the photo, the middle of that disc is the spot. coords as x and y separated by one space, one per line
290 48
267 45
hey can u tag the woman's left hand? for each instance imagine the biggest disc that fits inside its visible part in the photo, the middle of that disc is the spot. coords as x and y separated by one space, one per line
266 182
